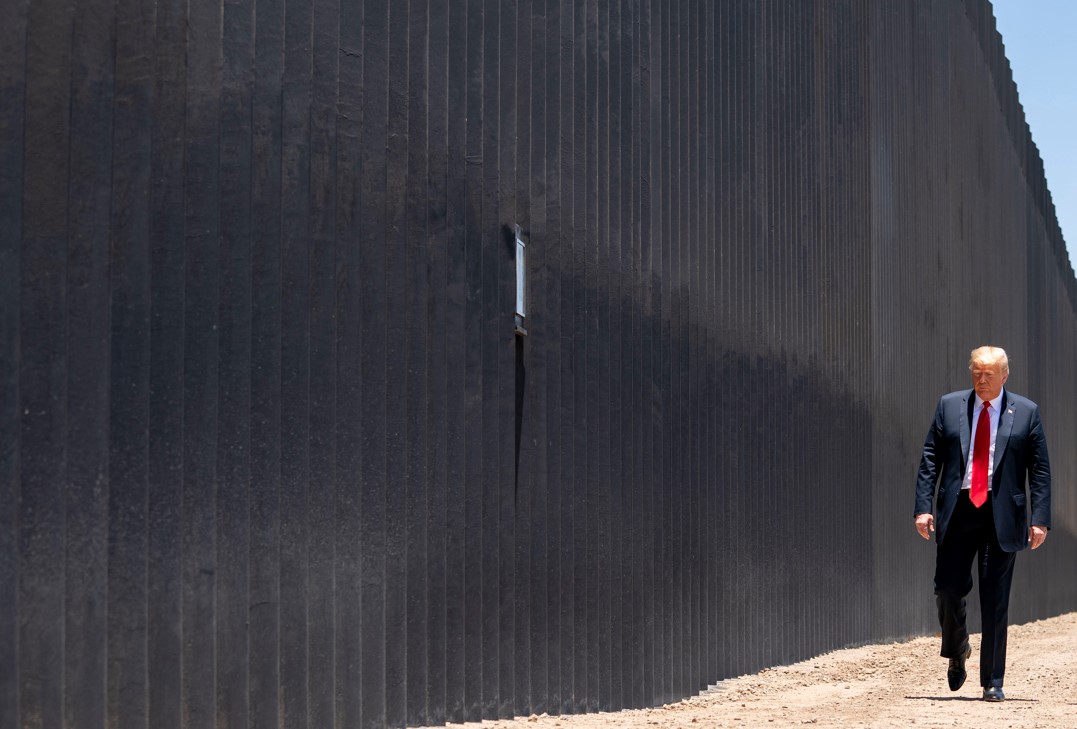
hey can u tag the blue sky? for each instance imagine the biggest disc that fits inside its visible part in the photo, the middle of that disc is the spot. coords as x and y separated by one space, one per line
1041 43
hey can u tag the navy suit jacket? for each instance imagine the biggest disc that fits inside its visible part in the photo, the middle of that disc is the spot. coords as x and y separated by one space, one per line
1021 467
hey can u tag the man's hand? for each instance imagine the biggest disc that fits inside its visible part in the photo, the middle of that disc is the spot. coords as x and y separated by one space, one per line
1036 535
926 523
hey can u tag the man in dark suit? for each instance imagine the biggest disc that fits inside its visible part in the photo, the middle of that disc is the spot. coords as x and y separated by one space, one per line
987 453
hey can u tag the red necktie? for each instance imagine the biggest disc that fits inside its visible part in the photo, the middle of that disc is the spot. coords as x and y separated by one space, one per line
980 449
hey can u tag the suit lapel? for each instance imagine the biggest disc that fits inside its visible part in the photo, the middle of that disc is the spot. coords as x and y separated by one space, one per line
965 430
1005 425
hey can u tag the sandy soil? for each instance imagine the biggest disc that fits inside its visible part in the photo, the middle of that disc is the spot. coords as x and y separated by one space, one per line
895 685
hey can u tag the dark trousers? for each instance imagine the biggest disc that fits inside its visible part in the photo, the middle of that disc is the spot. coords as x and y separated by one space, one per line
971 535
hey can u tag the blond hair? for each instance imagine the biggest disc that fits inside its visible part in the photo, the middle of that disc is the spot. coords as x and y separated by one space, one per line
989 356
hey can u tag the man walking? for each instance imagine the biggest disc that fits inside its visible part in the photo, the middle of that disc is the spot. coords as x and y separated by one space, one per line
984 446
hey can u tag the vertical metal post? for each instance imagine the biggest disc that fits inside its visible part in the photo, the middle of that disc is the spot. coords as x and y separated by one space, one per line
521 284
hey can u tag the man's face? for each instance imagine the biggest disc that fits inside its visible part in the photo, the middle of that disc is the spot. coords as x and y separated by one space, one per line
988 379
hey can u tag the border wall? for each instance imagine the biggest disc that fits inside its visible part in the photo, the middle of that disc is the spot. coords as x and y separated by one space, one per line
272 455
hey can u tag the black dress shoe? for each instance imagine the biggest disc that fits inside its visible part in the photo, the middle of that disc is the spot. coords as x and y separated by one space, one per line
955 674
994 693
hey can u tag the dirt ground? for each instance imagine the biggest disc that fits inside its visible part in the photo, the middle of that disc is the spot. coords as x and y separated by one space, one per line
894 685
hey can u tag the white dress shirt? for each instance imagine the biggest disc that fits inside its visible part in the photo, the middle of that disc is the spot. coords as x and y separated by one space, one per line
995 413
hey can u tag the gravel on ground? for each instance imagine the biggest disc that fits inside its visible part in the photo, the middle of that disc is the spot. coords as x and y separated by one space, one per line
889 685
